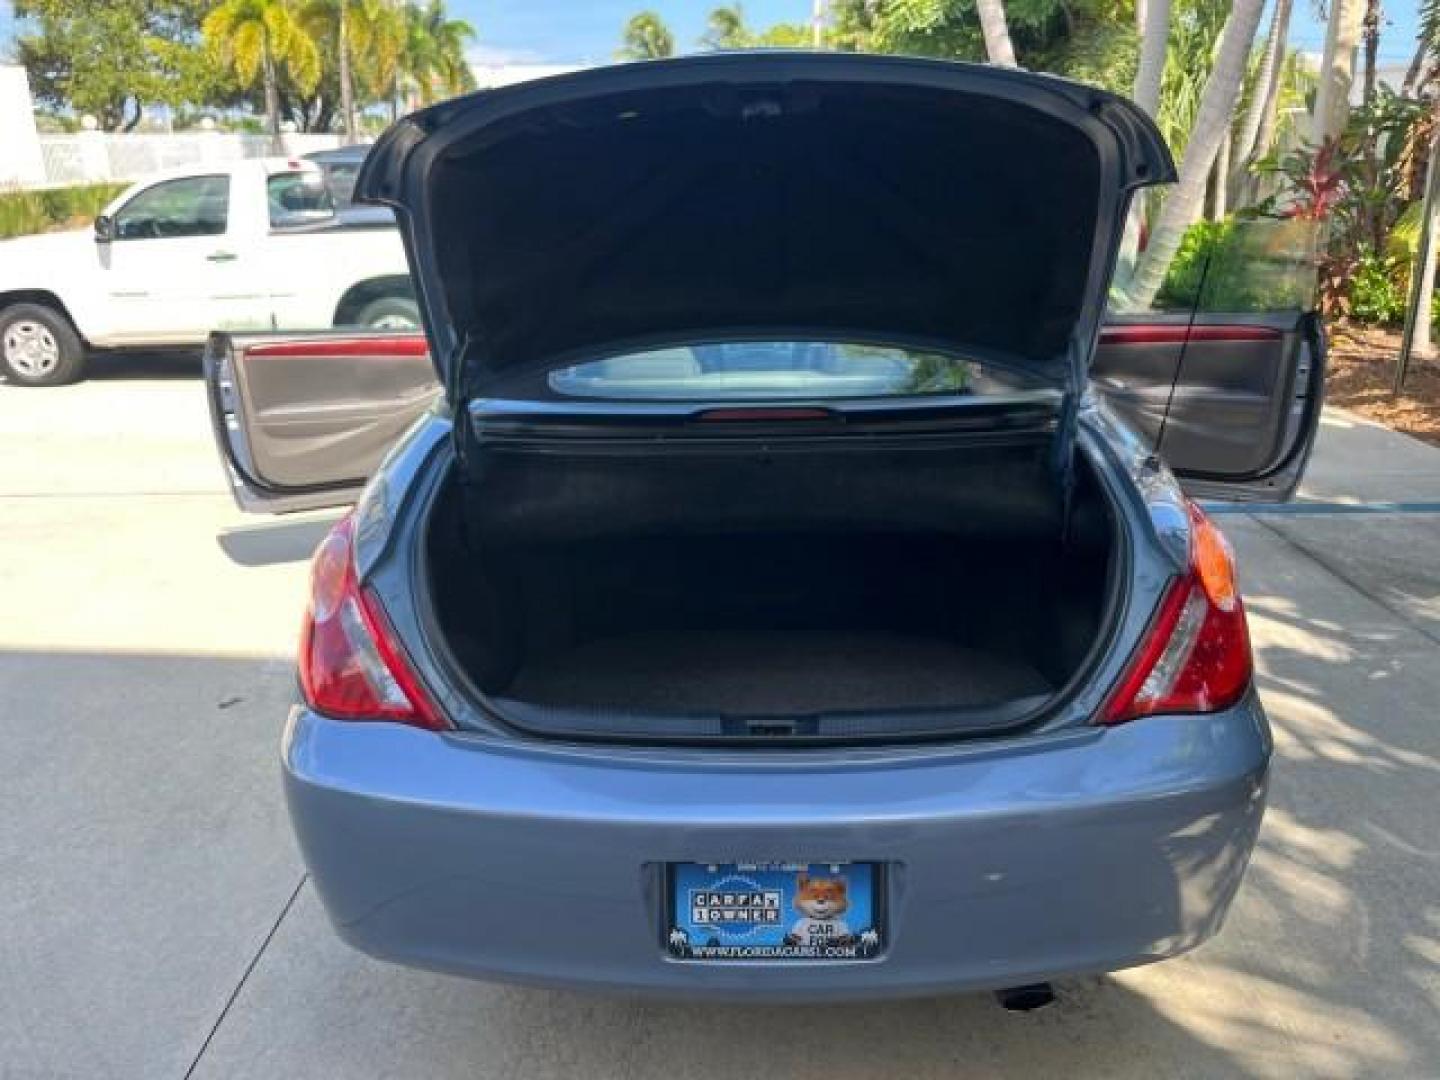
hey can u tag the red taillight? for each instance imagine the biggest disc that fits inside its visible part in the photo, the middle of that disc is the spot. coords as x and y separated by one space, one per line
1196 654
764 414
351 667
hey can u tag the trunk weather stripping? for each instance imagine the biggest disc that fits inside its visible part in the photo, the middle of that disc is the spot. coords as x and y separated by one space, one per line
717 729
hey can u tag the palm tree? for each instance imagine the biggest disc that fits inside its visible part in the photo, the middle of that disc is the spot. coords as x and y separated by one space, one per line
1212 124
1153 23
997 32
369 28
646 37
1258 125
1196 27
1370 35
1418 63
254 37
1220 179
1154 37
1337 69
432 53
1416 337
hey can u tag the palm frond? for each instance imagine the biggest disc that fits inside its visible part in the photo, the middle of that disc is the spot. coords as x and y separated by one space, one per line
1429 26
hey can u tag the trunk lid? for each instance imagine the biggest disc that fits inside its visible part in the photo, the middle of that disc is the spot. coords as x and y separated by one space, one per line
722 197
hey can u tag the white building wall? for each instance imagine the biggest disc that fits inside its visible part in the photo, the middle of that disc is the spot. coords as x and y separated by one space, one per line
21 163
87 157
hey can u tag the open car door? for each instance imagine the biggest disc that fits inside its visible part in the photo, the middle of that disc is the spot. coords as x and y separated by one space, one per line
303 419
1246 402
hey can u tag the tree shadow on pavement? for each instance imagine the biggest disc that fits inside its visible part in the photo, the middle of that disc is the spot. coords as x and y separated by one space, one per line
146 856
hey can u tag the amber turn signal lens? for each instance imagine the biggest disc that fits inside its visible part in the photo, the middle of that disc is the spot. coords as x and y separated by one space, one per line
1213 561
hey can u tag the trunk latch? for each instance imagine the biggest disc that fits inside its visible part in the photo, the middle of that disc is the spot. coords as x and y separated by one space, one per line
770 726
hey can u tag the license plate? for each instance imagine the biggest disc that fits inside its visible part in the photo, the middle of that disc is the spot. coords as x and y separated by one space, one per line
775 911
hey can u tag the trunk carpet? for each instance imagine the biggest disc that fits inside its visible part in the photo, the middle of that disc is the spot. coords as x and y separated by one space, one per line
769 673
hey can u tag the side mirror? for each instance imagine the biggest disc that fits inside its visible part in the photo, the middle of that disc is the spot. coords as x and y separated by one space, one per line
104 229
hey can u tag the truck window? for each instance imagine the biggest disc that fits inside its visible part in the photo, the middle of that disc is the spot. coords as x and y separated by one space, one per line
188 206
298 198
340 176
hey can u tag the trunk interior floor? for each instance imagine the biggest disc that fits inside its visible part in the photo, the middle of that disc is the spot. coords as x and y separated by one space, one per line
773 673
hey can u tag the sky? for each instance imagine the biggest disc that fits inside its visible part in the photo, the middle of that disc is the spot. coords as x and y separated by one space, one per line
567 31
588 31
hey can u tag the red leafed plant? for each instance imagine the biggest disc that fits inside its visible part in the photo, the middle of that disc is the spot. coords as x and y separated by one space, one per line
1318 182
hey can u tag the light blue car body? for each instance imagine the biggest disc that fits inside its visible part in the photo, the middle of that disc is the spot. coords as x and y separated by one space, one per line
1069 849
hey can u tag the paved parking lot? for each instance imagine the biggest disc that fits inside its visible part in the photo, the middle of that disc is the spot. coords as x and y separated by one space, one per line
153 917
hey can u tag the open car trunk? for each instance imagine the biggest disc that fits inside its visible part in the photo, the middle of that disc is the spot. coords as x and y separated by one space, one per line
728 593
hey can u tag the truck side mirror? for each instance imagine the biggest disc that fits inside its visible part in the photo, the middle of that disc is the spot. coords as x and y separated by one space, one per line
104 229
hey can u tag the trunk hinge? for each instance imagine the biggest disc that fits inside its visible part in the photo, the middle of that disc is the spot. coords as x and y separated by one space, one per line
458 399
1062 462
461 433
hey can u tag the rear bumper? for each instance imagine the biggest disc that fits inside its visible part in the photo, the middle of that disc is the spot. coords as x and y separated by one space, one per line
1087 851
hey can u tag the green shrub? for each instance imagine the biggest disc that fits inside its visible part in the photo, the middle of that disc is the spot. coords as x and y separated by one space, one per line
1402 244
1243 264
1182 280
23 212
1377 290
1404 235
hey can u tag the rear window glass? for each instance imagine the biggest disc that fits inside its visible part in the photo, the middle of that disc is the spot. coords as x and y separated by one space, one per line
777 370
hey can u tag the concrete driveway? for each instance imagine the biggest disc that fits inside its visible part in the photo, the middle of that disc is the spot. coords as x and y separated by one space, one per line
154 920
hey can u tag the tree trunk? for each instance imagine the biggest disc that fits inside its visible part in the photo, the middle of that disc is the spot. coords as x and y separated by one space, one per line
272 100
1152 23
1265 135
1219 193
1370 34
997 33
1414 71
347 82
1212 123
1370 151
1416 337
1153 39
1249 148
1420 340
129 124
1337 70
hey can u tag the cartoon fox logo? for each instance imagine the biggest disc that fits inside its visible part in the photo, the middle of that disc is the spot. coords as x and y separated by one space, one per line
821 902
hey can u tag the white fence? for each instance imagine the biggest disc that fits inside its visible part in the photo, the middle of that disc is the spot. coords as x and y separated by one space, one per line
92 156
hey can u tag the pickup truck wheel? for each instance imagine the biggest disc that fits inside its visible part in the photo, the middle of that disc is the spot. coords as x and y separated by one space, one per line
39 347
390 313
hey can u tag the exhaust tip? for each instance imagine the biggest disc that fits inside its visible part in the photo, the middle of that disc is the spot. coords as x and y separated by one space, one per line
1025 998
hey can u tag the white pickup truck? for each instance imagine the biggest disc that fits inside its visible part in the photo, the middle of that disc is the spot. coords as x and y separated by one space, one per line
250 245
